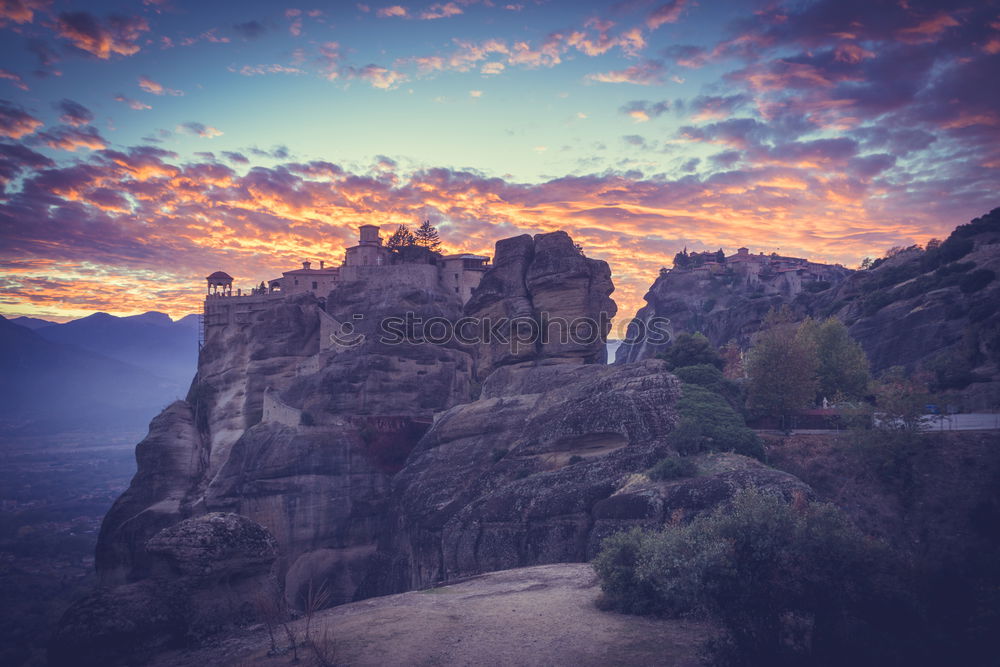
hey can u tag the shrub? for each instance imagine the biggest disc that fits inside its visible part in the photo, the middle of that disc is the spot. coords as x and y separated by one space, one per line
762 569
711 378
497 454
687 438
673 467
954 267
306 419
951 250
708 422
976 280
875 301
575 459
982 311
703 375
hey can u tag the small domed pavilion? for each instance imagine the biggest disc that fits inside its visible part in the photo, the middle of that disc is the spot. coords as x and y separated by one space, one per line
220 283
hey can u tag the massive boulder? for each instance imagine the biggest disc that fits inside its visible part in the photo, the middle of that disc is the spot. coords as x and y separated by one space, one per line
556 300
171 461
206 573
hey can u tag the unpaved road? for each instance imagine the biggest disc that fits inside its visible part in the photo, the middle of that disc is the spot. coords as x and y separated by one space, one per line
541 615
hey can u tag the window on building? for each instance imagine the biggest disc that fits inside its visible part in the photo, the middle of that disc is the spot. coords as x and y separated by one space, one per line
456 290
456 276
315 284
296 281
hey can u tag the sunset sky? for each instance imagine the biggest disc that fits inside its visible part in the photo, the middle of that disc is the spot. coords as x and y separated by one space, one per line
146 144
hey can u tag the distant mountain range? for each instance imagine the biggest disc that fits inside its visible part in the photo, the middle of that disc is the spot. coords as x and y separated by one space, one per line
96 372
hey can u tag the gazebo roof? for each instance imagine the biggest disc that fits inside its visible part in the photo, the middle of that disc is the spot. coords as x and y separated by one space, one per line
220 275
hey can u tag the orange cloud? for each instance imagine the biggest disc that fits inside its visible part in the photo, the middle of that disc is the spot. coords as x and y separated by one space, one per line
20 11
13 78
139 213
15 122
120 35
397 11
154 88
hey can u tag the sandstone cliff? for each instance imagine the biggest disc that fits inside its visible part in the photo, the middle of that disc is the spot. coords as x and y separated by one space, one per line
205 573
296 434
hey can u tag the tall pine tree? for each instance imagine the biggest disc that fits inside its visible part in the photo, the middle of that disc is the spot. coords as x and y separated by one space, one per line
426 236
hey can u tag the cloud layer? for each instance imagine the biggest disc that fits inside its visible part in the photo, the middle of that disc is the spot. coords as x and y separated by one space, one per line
831 129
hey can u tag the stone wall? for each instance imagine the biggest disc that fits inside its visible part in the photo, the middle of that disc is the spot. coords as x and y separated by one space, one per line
418 276
221 311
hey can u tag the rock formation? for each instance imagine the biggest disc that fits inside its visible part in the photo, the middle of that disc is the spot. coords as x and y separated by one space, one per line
543 285
930 309
368 464
296 434
205 573
728 304
539 470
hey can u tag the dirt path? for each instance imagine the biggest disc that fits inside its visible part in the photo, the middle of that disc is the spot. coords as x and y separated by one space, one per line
541 615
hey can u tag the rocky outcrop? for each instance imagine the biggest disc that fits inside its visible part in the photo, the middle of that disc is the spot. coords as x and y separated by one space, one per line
366 462
932 309
556 300
219 546
936 310
171 461
726 305
524 478
315 469
206 573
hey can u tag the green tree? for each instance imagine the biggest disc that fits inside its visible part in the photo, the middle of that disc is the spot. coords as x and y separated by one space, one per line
690 350
782 367
400 238
843 369
426 236
681 259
